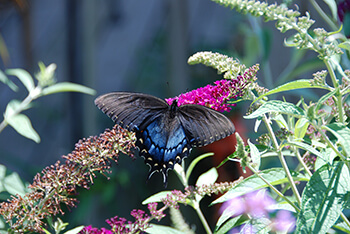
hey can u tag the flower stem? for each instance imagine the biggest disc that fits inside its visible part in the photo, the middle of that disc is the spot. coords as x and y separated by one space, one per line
282 160
195 205
274 189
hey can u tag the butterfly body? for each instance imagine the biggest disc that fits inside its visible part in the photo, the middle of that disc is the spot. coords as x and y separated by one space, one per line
165 133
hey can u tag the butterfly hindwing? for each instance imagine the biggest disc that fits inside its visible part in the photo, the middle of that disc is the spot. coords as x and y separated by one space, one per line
204 125
163 144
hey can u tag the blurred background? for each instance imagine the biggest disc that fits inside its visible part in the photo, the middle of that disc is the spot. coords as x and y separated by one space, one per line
127 45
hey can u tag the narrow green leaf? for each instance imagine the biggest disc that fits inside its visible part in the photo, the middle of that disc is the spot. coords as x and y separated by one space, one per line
277 107
306 147
23 76
8 82
21 123
194 163
75 230
231 223
342 133
14 185
342 226
345 45
157 197
156 229
67 87
254 155
323 99
301 127
333 7
274 176
298 84
323 199
208 177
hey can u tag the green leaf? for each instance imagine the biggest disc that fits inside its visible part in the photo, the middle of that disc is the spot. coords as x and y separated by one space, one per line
208 177
231 223
327 158
323 99
156 229
23 76
306 147
275 176
342 133
157 197
323 199
345 45
67 87
298 84
333 7
342 225
301 127
75 230
14 185
277 107
21 123
8 82
255 155
194 163
14 107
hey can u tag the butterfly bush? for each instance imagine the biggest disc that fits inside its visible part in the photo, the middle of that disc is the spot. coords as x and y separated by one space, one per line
219 95
56 184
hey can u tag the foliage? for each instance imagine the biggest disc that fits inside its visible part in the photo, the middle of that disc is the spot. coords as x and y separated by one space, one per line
315 134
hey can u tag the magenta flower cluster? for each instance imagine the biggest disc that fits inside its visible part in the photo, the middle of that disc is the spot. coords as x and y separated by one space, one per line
217 96
121 225
258 204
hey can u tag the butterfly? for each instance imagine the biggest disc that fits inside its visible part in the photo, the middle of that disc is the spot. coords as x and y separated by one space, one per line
165 134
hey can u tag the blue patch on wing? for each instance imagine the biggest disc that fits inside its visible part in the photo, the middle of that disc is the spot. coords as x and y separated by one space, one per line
161 148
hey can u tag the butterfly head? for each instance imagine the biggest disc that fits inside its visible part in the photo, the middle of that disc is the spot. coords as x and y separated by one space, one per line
173 108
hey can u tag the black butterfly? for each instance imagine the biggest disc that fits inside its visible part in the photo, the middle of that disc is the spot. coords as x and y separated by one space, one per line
165 133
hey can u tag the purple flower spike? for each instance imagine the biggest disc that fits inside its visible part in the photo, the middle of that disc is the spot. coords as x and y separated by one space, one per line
217 96
284 221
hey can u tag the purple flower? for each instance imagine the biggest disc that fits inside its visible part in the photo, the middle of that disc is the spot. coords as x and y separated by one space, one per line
217 96
284 221
256 203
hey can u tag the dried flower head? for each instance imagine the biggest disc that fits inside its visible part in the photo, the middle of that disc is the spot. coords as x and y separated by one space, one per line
56 184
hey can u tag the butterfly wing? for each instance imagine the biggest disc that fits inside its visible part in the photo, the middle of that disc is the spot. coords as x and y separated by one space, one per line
163 144
131 110
204 125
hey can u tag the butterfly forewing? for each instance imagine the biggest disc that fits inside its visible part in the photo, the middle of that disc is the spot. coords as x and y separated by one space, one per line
131 110
204 125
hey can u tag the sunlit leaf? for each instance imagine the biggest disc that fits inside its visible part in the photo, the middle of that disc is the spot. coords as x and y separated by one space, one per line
277 107
324 198
274 176
208 177
157 197
194 163
23 76
22 124
8 82
156 229
67 87
342 132
301 127
14 185
298 84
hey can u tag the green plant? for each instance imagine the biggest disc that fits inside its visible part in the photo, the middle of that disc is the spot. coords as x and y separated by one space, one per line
314 186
